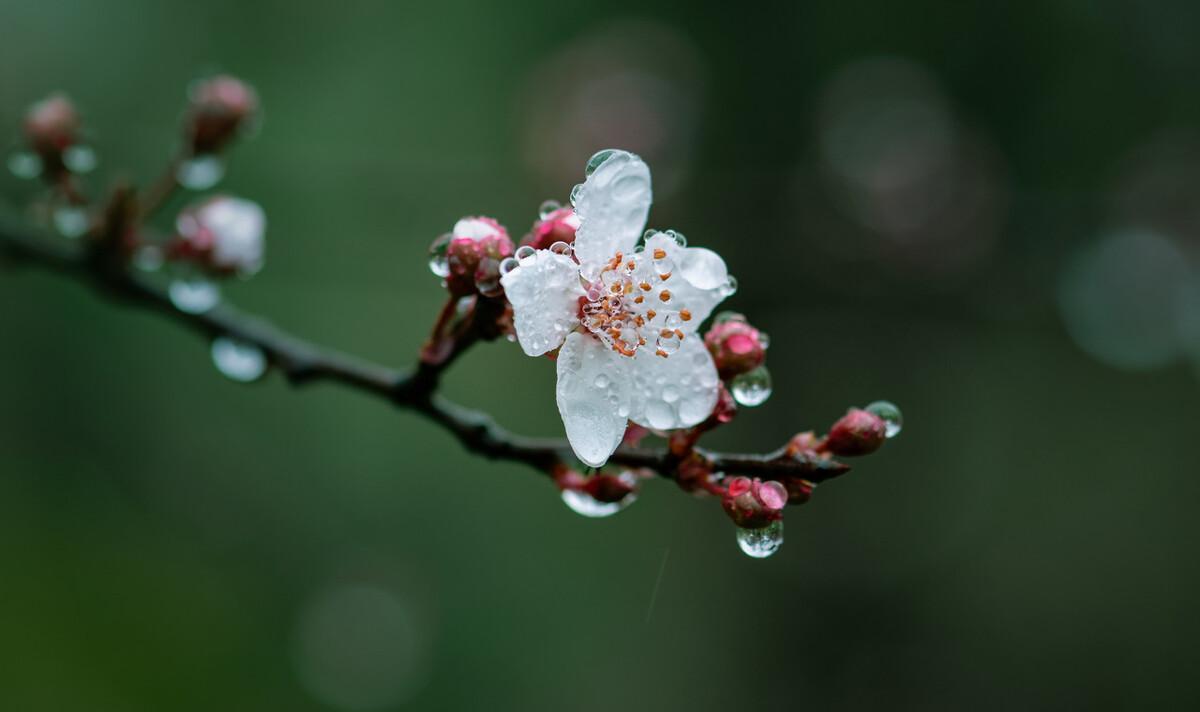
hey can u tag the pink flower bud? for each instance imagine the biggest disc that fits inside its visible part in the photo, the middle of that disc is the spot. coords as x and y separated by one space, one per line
857 433
477 246
806 442
736 347
753 504
52 126
222 234
799 491
220 107
558 226
609 488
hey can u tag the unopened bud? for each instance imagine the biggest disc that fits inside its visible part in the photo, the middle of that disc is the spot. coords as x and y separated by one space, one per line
799 491
222 234
473 256
610 488
220 108
736 347
857 433
556 226
754 504
51 127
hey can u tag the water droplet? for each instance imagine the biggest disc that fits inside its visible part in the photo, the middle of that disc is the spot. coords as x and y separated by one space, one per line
890 414
149 258
25 165
79 159
731 286
548 208
576 193
764 340
508 264
761 543
664 265
597 160
487 277
200 172
560 248
238 360
70 221
727 316
602 381
670 394
439 263
668 344
677 237
194 296
753 388
583 503
525 254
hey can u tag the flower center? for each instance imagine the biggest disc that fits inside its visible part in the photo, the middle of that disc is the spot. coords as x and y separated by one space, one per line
630 305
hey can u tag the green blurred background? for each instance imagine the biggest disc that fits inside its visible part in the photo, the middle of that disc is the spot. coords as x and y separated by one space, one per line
986 212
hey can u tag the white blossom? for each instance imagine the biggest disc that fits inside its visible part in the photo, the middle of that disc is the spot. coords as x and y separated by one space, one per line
229 231
624 311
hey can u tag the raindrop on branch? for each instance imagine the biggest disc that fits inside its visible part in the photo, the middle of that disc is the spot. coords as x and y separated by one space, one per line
194 296
753 388
238 360
200 172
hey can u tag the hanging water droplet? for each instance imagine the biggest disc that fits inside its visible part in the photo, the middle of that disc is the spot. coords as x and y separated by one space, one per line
238 360
598 158
439 263
79 159
761 543
764 340
891 416
548 208
200 172
194 295
525 254
487 277
70 221
752 388
25 165
576 193
583 503
508 264
561 248
730 287
149 258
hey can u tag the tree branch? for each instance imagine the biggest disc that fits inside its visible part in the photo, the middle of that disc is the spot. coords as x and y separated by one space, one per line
303 362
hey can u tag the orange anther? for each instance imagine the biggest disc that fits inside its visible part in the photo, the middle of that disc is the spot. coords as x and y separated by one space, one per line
660 253
665 295
685 315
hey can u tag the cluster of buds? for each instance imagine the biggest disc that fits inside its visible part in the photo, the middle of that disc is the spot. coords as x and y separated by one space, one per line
221 107
468 257
752 503
52 131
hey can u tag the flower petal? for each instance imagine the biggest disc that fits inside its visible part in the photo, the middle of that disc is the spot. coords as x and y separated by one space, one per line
612 208
674 392
593 397
699 279
544 291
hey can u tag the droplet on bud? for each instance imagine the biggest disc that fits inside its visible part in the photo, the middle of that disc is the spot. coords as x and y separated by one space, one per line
752 388
597 160
194 296
79 159
200 172
890 414
561 248
761 543
70 221
584 504
25 165
439 262
238 360
548 208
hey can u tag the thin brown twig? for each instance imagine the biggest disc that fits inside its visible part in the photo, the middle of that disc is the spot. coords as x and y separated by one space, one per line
302 362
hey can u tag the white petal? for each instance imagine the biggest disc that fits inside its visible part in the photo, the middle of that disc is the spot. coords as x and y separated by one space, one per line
674 392
699 279
612 208
544 291
593 397
476 228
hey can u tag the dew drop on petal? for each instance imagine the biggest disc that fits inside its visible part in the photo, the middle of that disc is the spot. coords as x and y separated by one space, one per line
601 381
728 316
677 237
238 360
584 504
525 254
200 172
508 264
597 160
194 296
548 208
561 248
752 388
439 263
576 192
660 414
730 288
79 159
761 543
25 165
890 414
70 221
